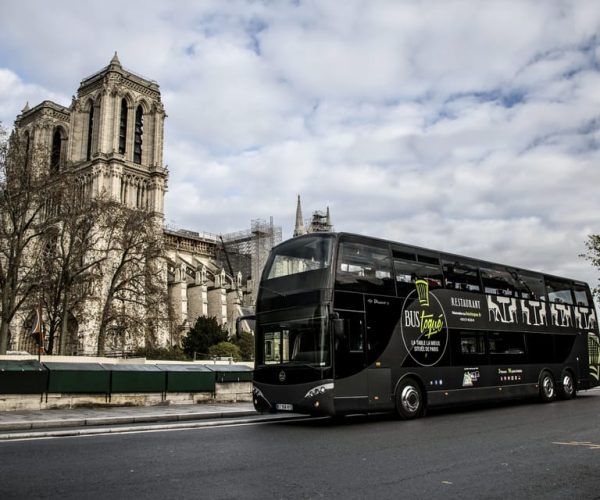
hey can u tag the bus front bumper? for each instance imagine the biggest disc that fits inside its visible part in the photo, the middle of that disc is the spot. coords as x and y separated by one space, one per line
315 398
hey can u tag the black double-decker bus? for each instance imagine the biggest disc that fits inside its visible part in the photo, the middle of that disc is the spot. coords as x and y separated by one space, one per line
351 324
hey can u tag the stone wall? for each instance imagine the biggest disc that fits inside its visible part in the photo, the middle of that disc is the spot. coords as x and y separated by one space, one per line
231 392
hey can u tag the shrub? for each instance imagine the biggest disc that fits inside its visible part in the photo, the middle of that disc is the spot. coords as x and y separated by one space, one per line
225 349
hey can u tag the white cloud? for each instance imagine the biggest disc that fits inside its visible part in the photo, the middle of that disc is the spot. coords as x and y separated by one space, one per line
468 126
15 94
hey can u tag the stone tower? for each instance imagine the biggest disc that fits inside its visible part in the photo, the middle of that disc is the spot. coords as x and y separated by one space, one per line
117 122
111 139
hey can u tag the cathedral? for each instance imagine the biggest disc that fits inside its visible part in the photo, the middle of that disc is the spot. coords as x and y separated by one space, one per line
111 139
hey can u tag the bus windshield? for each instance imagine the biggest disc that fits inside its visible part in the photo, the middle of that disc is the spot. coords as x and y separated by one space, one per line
299 256
294 341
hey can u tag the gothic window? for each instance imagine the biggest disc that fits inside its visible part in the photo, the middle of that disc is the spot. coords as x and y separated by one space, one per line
27 147
90 130
123 127
56 147
139 131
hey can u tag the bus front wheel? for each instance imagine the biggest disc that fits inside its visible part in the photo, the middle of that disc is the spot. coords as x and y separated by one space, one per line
409 399
547 388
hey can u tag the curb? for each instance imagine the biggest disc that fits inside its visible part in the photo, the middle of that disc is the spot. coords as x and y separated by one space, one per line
145 428
97 421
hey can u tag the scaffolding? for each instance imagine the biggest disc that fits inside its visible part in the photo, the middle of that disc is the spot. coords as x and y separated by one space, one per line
248 250
320 222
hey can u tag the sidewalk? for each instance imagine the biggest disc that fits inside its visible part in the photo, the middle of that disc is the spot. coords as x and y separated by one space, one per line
36 420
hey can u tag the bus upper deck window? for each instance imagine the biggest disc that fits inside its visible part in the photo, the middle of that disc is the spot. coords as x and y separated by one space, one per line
461 276
408 270
559 291
498 282
364 268
530 286
581 295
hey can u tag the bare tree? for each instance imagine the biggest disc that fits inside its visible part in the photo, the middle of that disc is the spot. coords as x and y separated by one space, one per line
134 293
24 188
72 259
592 255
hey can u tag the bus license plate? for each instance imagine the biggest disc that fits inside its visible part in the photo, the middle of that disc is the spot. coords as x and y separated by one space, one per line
284 407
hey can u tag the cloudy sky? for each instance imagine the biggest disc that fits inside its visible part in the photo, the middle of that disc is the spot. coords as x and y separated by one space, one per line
469 126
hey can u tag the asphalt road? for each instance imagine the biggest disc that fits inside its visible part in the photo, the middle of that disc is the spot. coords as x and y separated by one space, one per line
523 450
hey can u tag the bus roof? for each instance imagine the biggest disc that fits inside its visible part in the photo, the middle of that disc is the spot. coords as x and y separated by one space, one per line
441 253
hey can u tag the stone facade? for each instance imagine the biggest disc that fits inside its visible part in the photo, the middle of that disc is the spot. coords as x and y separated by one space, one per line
111 138
198 282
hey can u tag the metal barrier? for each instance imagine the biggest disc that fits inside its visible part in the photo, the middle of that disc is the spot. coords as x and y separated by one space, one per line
78 378
32 377
23 377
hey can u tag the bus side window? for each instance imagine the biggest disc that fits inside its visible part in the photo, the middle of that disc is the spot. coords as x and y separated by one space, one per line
530 286
468 347
559 291
581 295
461 276
408 271
498 282
540 347
364 268
506 347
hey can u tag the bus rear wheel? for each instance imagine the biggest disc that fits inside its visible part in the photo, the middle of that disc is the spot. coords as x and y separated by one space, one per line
566 390
409 399
547 388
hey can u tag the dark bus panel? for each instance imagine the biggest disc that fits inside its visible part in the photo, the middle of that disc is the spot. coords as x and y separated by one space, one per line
349 324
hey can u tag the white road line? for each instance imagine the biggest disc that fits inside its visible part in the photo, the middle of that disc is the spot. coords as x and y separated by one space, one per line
78 433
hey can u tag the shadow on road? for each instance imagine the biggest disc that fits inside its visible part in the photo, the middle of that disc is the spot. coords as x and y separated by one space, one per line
471 408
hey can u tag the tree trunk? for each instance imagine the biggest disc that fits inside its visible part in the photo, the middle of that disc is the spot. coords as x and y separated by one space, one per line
102 330
64 323
3 336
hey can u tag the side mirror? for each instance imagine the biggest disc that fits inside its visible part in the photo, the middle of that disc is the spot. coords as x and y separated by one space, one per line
238 323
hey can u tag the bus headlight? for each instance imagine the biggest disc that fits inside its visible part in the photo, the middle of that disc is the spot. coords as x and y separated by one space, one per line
258 393
320 389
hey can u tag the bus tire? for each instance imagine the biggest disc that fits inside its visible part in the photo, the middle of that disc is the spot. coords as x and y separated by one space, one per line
566 389
409 399
547 387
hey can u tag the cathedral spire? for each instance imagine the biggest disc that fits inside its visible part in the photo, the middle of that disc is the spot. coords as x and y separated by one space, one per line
115 60
299 230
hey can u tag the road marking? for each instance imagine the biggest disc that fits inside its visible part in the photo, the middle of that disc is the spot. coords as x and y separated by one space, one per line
587 444
179 426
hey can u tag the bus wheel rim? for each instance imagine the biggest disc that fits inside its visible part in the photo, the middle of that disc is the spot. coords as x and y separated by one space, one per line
410 399
568 384
548 387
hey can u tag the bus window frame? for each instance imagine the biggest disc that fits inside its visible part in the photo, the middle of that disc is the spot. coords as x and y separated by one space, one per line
503 272
558 299
467 265
525 280
586 292
418 262
362 283
507 358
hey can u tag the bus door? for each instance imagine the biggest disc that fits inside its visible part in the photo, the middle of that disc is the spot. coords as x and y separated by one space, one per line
382 314
379 381
351 388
